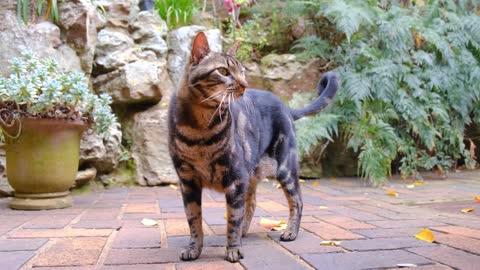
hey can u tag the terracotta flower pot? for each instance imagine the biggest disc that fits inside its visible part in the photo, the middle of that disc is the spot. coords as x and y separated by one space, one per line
42 162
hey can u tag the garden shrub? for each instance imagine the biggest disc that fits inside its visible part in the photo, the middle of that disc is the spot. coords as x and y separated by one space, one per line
410 82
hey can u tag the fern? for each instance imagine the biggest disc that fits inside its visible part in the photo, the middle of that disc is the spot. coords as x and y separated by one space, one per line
410 83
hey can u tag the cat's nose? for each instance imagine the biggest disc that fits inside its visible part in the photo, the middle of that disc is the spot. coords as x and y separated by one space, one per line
243 83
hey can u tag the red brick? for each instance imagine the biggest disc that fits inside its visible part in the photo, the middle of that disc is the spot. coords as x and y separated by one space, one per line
141 208
177 227
383 243
49 222
306 242
363 260
345 222
98 224
21 244
420 223
137 238
220 265
51 233
396 232
158 255
354 213
14 259
452 257
329 232
459 242
72 252
269 256
272 207
167 266
473 233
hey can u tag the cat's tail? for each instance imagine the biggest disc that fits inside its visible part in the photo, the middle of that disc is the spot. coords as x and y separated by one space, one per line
326 88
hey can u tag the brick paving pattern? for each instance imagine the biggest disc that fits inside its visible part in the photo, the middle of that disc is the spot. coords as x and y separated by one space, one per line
103 230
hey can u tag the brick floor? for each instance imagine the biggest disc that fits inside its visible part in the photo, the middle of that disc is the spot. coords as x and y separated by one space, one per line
103 230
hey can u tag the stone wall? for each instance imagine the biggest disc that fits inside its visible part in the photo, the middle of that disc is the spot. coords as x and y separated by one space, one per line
132 55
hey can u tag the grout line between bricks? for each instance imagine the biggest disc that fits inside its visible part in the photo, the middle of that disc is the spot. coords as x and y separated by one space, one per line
47 246
293 256
106 249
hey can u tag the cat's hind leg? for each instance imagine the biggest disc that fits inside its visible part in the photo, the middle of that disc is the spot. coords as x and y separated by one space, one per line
250 204
287 175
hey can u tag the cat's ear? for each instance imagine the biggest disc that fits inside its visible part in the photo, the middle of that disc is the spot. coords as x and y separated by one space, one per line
233 50
200 48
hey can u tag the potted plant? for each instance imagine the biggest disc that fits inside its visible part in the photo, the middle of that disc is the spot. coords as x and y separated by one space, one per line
43 113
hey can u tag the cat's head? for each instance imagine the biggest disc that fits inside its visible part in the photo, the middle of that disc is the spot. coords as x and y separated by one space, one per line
214 75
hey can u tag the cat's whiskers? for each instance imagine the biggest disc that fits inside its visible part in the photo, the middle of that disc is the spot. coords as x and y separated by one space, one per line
213 96
218 109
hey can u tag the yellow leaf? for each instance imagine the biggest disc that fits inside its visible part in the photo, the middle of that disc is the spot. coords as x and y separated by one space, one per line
225 216
172 186
278 186
425 235
468 210
315 184
333 179
323 207
274 225
149 222
279 227
301 181
476 198
265 180
330 243
392 193
410 186
419 183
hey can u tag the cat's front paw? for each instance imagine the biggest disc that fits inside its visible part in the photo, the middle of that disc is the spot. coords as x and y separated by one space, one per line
233 255
288 236
190 254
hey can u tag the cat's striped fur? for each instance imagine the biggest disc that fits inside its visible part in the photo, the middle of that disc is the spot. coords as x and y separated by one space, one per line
226 137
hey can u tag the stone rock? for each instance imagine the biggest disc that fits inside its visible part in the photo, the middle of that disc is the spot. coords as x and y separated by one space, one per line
118 12
284 74
180 44
148 132
148 24
155 44
85 176
137 82
50 31
42 39
5 189
100 151
78 20
114 49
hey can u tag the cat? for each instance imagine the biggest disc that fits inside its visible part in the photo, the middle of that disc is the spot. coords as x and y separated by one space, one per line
226 137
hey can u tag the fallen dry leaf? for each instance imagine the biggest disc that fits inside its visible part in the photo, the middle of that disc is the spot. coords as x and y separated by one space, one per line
392 193
265 180
315 184
476 198
468 210
333 179
225 216
301 181
410 186
425 235
419 183
278 186
330 243
274 225
149 222
323 207
172 186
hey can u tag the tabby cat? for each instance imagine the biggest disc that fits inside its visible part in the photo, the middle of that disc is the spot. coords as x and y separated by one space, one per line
227 137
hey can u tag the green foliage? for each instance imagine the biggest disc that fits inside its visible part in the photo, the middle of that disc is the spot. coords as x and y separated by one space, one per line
51 7
265 29
175 12
410 82
37 89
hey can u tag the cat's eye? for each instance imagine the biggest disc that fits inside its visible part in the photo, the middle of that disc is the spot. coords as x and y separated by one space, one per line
223 71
